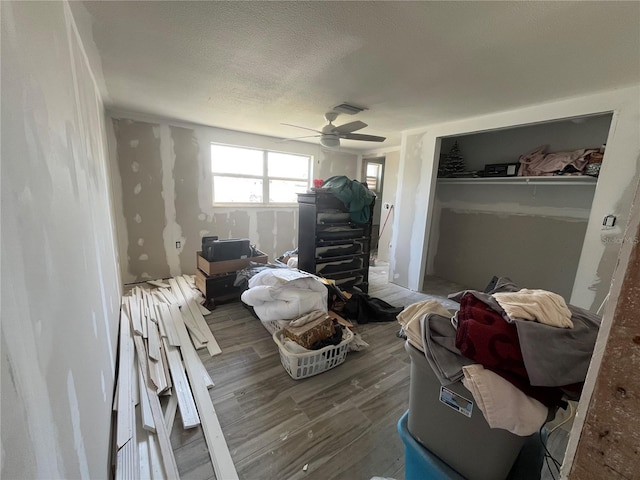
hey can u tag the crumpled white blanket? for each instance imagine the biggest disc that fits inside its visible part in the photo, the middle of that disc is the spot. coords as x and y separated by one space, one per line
409 319
545 307
284 294
503 405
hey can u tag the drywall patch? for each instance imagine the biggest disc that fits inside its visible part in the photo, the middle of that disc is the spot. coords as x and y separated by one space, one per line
140 242
134 143
144 257
187 174
239 224
285 224
144 215
74 411
266 226
171 232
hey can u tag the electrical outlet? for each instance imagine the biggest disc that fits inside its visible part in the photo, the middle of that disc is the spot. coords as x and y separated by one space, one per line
386 206
178 244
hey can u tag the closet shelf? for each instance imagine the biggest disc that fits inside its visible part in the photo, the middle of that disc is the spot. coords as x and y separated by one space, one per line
556 180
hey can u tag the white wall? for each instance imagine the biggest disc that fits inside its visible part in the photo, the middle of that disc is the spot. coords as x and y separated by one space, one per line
613 195
163 193
60 285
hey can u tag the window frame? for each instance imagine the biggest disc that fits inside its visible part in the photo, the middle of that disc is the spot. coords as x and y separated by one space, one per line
264 177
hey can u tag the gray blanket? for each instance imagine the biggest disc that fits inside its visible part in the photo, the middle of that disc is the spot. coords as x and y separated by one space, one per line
553 357
439 342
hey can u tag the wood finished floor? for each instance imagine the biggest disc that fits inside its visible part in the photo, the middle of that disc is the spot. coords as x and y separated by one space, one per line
341 423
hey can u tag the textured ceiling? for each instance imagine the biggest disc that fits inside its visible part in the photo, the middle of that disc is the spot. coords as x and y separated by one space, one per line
250 65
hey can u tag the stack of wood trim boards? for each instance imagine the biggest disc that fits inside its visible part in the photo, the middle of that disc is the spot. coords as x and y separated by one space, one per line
160 331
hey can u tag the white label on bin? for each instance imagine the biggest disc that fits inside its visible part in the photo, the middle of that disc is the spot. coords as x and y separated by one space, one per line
457 402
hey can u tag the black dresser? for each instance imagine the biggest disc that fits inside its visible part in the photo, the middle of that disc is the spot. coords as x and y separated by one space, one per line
330 244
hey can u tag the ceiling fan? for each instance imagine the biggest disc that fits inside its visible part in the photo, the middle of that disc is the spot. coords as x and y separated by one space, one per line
330 135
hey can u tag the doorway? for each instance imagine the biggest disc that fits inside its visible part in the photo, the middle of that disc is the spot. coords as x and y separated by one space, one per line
373 173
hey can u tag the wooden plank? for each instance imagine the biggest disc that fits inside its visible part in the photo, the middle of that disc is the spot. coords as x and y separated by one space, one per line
203 309
153 373
150 307
169 295
218 450
206 378
135 388
165 366
182 390
134 310
212 346
159 322
114 407
143 314
145 408
158 297
154 340
167 321
188 319
143 449
158 283
125 419
157 472
168 460
127 466
170 412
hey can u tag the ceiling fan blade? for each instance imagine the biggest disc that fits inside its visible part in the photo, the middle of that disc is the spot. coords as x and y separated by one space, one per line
349 127
304 128
359 136
296 138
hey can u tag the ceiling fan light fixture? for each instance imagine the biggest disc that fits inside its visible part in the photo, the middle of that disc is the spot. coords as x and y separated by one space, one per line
348 108
330 141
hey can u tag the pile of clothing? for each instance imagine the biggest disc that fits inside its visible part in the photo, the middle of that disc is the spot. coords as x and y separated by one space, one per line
520 352
578 162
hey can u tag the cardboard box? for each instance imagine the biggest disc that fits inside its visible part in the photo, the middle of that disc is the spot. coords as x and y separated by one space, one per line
227 266
311 332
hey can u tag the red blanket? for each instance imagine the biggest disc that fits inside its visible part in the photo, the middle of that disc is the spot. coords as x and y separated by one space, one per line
486 338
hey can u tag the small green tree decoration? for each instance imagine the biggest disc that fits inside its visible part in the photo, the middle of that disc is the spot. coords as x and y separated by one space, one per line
453 163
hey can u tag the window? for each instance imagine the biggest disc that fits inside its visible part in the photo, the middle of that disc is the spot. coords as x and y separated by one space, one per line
374 172
247 175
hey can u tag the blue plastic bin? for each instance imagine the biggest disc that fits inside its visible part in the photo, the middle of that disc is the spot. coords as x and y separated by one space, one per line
420 463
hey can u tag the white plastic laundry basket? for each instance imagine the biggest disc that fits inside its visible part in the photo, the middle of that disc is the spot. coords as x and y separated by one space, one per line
302 365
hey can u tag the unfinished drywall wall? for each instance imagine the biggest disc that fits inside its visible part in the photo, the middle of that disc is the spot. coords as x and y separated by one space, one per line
517 230
613 192
534 251
415 189
163 194
60 285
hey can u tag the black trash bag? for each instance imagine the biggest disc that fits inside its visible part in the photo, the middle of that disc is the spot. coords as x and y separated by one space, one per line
364 309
